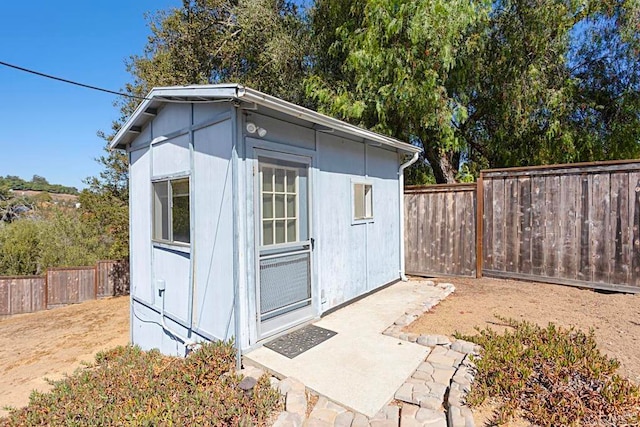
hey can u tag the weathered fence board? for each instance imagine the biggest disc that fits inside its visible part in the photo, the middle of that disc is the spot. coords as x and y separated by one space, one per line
112 278
71 285
62 286
569 224
440 230
23 294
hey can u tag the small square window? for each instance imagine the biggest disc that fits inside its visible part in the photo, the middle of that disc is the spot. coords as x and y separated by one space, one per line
362 201
171 211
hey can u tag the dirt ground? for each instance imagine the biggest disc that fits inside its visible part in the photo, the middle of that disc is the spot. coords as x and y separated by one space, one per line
615 318
49 344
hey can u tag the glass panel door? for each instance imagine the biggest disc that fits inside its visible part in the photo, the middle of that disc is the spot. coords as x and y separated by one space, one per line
285 296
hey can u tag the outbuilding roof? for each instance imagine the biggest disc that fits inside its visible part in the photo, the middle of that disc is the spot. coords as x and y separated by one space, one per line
236 92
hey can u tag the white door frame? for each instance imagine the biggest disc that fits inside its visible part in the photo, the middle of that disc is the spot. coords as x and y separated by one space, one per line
282 322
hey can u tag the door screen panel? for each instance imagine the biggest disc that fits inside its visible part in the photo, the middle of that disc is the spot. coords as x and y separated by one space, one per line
284 284
285 249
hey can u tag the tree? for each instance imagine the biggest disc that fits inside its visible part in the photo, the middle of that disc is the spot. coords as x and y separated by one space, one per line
605 68
484 84
524 96
260 43
389 66
20 248
105 203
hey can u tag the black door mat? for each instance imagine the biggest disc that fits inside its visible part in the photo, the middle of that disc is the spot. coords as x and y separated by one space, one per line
299 341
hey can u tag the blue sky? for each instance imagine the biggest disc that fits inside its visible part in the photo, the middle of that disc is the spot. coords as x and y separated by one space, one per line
47 127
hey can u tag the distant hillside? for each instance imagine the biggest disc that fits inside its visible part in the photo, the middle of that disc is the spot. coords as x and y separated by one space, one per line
37 183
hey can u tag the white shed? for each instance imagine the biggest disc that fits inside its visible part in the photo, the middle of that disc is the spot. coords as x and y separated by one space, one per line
251 215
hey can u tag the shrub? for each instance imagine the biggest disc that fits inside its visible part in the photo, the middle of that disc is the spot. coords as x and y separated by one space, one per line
554 376
127 386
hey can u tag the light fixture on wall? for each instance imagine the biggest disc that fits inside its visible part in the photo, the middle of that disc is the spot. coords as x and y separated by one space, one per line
252 129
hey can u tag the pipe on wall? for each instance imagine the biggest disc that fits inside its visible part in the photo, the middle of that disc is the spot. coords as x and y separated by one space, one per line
189 343
403 166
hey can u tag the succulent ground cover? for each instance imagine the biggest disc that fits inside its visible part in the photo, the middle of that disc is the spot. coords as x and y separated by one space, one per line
551 376
128 386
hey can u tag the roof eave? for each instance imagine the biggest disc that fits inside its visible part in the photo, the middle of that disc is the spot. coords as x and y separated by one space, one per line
236 91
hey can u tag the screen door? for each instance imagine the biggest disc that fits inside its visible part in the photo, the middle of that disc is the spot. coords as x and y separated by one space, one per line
284 290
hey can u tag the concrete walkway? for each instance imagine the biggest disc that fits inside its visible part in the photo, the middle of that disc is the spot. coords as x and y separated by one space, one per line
359 368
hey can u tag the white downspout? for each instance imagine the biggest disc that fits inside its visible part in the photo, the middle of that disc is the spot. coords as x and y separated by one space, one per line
403 166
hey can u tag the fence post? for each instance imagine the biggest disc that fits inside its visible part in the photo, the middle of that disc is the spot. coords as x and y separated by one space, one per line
479 223
95 280
46 289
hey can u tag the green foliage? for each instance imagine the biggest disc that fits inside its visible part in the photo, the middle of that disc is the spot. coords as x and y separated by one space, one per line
105 204
20 248
487 84
260 43
37 183
397 59
54 238
127 386
553 376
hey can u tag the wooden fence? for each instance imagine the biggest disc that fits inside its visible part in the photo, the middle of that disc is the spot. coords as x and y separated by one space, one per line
571 224
22 294
576 224
62 286
440 230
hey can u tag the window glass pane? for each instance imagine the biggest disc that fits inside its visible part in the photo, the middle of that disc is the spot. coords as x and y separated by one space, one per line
358 201
267 233
280 180
161 211
291 181
368 201
291 206
267 179
279 206
267 206
180 211
291 230
280 232
180 187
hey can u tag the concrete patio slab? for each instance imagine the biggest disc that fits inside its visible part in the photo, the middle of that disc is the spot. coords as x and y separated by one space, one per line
358 368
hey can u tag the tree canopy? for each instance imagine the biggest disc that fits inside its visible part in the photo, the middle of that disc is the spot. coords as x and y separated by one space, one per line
484 84
476 83
37 183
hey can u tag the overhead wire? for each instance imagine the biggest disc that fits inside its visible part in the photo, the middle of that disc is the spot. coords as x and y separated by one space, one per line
87 86
60 79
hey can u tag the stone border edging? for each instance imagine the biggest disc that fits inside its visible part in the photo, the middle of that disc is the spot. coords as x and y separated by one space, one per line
433 396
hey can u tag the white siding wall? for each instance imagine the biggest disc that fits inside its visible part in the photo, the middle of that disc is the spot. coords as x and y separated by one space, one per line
171 156
350 259
213 303
355 258
383 234
140 220
151 263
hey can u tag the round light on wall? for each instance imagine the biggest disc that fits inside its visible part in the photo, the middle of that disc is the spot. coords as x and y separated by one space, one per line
251 127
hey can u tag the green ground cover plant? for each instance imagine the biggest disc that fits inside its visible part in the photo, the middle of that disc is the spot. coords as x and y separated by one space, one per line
552 377
128 386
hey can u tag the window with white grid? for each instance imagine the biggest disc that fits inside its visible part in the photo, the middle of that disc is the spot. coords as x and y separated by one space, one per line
279 204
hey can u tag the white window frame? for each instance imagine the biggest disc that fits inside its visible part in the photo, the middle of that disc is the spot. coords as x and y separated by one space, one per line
367 202
287 217
170 241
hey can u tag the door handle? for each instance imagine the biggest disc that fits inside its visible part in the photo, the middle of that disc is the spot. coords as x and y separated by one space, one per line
313 243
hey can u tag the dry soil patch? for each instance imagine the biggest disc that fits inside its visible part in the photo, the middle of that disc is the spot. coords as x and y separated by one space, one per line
615 318
49 344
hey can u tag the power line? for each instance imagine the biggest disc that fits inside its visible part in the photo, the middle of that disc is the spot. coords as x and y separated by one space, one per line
60 79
